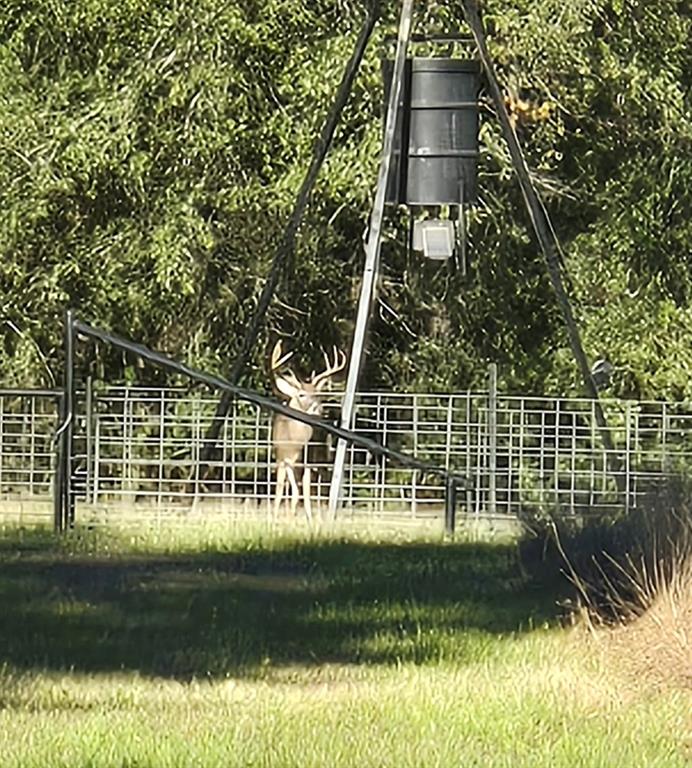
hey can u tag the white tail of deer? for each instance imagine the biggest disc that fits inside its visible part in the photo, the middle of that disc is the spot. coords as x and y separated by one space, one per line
291 437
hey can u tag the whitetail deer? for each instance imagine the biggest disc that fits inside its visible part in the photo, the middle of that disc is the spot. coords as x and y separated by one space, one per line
291 437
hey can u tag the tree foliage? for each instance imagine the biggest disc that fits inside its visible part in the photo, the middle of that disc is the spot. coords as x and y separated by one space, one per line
150 153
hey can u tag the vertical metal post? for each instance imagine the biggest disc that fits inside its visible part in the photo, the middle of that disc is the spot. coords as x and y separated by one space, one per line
89 407
234 452
450 505
162 453
510 456
628 454
381 461
58 476
224 457
573 464
196 427
68 425
255 458
414 474
2 434
128 436
97 458
592 458
541 460
468 469
638 456
492 439
480 460
32 445
523 426
448 439
372 254
664 439
269 462
556 458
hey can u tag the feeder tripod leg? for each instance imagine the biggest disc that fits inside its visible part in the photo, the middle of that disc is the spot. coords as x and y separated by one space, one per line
372 255
544 233
287 243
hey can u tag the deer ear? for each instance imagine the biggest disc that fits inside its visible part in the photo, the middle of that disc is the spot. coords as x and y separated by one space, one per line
285 387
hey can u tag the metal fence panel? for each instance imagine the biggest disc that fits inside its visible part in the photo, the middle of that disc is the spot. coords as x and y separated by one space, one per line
138 449
517 454
28 421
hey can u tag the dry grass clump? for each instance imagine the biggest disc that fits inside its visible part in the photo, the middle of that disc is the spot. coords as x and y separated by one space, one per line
657 645
632 576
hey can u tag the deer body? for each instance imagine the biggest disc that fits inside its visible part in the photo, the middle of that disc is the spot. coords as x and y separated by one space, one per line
291 437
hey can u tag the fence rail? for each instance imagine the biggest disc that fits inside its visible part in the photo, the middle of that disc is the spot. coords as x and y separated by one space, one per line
139 448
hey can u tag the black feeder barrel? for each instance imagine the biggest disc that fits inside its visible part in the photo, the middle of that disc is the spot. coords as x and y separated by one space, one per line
438 122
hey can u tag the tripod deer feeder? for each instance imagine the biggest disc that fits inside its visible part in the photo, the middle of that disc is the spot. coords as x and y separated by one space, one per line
429 156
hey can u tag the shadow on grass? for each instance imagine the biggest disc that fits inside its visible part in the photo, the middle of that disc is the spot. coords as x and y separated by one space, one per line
236 611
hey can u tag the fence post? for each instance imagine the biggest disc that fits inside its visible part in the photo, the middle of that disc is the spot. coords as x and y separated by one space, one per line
58 474
67 427
96 464
450 505
665 428
88 416
628 455
492 438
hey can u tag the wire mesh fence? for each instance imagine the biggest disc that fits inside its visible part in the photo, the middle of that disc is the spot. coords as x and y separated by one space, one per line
138 449
28 423
515 453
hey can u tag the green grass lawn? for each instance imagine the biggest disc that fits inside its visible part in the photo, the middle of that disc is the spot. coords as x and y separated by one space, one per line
245 647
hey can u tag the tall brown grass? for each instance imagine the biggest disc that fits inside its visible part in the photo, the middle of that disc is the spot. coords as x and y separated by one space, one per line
657 645
632 574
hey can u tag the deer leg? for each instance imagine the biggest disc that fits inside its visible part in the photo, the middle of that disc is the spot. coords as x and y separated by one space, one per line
306 493
295 493
280 485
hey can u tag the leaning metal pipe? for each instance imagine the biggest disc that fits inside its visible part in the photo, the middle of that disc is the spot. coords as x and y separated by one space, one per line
216 382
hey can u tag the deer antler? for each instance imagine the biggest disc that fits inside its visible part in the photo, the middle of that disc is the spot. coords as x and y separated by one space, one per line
330 368
277 361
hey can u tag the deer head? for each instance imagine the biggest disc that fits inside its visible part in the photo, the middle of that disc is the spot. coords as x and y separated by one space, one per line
305 395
